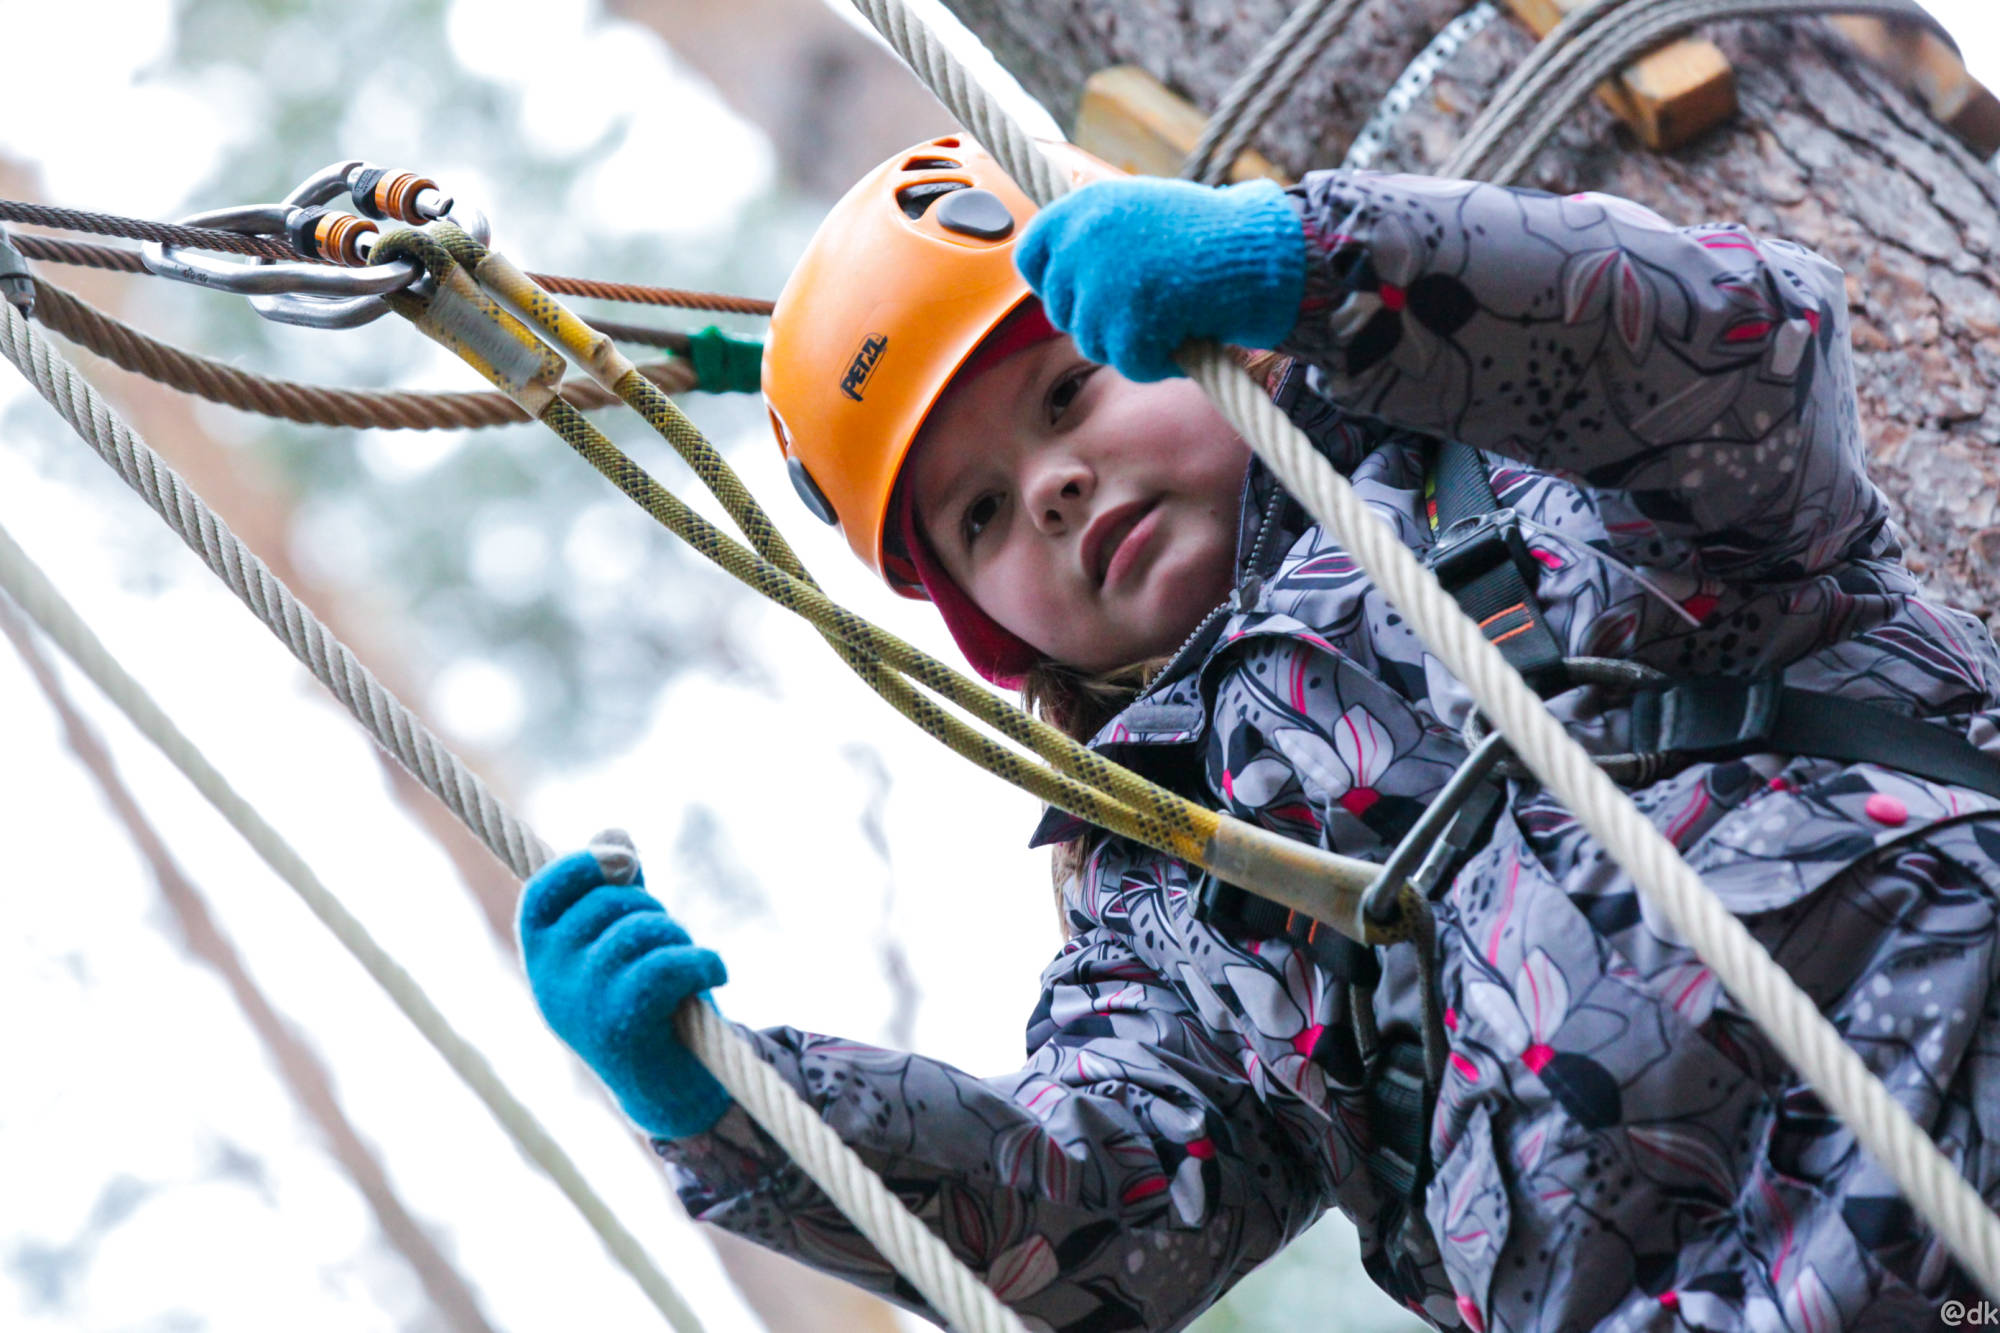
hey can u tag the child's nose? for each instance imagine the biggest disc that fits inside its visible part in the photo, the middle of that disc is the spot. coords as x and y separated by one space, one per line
1058 493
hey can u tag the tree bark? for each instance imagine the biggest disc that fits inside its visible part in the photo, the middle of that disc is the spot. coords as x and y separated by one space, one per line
1826 151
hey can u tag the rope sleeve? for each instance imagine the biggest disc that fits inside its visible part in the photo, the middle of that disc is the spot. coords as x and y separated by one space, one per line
723 364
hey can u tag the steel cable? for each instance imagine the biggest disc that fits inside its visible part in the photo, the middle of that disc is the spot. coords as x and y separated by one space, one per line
74 318
634 294
139 229
33 591
1594 44
57 250
1262 87
336 667
86 254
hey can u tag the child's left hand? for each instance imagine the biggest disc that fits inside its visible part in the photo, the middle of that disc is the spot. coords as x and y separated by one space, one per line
1131 269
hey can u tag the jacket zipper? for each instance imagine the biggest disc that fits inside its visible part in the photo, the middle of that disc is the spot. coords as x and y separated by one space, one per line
1253 562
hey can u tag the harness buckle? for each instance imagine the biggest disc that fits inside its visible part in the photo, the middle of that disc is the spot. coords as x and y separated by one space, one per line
1479 545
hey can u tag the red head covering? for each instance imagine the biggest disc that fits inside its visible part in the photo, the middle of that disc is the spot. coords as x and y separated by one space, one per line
994 652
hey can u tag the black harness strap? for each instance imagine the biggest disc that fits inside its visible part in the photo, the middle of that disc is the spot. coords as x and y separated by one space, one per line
1256 917
1484 564
1397 1155
1720 717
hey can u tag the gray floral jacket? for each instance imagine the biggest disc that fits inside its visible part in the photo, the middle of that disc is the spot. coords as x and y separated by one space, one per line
1670 412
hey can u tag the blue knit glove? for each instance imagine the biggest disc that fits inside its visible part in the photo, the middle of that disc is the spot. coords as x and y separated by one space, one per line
609 967
1131 269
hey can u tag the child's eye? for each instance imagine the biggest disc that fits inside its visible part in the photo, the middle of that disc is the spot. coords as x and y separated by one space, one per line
1064 391
977 515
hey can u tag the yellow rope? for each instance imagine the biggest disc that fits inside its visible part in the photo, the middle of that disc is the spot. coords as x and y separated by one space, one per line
470 321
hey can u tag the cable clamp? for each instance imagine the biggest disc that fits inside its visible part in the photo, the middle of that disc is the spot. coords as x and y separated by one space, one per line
17 284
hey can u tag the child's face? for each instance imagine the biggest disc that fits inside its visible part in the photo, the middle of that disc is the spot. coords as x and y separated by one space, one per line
1092 516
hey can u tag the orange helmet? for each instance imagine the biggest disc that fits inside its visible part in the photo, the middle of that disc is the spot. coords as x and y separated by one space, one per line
907 275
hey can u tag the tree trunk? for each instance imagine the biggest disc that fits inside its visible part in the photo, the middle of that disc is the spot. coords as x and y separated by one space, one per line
1826 152
831 99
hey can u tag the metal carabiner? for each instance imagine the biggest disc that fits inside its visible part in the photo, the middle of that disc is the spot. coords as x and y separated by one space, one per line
312 295
1612 673
320 312
261 277
1415 859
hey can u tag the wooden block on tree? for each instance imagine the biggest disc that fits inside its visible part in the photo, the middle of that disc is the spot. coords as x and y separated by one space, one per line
1668 96
1932 72
1133 121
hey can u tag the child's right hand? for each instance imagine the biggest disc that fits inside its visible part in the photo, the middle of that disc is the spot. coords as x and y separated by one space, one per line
608 967
1131 269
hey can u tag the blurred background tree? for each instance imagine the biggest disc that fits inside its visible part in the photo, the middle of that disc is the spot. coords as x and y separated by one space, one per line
487 577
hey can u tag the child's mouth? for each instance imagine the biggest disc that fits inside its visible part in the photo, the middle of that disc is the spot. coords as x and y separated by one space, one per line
1109 543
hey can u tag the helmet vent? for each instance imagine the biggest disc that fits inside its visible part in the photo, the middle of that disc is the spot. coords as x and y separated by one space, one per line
931 164
915 200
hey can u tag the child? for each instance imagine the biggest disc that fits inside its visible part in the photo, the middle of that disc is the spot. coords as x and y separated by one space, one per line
1666 421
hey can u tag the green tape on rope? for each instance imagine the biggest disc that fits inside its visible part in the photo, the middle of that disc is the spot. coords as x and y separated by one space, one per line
723 364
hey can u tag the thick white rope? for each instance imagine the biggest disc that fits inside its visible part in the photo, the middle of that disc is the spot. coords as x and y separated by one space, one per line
1774 1002
31 588
393 725
965 1302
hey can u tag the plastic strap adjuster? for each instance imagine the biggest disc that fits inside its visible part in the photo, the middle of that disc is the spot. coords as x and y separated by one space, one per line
1477 546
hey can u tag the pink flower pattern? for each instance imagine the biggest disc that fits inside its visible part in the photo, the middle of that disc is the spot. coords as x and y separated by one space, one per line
1614 1145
